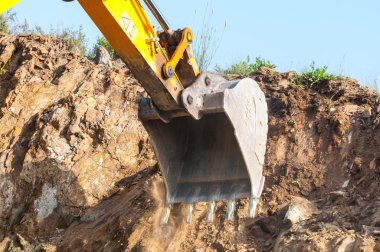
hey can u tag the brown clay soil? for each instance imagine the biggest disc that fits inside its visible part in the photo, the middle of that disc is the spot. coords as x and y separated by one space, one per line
77 172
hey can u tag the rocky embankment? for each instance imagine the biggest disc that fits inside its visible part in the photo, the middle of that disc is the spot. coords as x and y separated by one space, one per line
77 172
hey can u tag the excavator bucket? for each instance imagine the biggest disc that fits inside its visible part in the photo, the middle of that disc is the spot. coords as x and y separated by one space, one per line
218 152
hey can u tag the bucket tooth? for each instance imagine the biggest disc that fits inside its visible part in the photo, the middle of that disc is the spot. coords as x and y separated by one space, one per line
253 202
217 142
210 214
230 210
189 213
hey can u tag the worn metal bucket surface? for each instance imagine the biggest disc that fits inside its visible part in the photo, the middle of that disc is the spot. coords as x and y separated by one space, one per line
218 152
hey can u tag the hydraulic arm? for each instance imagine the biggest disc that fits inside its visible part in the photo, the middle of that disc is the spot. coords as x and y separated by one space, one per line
128 28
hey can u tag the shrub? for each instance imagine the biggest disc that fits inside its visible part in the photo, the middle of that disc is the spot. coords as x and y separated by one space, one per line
315 74
246 68
6 20
102 41
312 76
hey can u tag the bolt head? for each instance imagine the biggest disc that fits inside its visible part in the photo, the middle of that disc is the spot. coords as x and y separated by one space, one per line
207 81
190 37
190 99
170 71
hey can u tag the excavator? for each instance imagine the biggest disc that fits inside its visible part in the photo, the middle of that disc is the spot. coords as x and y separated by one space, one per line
209 134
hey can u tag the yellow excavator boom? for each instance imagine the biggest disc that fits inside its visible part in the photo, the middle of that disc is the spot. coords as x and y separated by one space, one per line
7 4
129 30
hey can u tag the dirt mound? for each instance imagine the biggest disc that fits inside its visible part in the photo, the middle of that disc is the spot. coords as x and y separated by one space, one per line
77 172
69 131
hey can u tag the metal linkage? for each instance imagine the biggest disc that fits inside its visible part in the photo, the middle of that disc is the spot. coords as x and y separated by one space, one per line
157 14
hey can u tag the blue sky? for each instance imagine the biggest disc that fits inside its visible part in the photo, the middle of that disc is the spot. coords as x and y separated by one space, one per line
342 34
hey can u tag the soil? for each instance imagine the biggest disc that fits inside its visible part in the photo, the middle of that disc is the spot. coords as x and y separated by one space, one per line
77 172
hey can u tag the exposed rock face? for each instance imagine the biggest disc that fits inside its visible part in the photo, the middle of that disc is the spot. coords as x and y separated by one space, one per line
69 131
102 57
77 172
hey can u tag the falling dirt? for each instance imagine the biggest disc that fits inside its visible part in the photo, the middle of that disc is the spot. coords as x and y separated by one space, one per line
77 172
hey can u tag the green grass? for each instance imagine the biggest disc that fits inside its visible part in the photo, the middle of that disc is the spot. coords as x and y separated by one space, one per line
246 68
296 183
312 76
